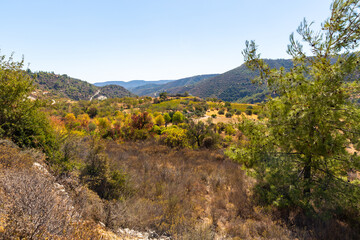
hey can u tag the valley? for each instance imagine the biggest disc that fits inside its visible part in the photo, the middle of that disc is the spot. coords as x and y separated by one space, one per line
266 150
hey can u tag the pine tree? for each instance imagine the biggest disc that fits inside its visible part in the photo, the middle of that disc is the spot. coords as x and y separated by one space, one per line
300 152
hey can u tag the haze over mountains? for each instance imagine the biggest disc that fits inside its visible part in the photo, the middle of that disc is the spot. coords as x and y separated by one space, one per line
131 84
234 85
170 87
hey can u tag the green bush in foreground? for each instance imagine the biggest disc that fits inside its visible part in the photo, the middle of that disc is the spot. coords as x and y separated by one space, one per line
108 184
20 117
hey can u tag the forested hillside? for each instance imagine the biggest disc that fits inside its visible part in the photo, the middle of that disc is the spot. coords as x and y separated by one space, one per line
75 89
233 85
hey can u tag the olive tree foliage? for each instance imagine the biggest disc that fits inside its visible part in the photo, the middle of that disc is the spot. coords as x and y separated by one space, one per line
178 117
300 153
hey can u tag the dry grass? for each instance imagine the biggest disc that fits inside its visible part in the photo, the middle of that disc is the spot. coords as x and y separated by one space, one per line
188 194
12 158
223 119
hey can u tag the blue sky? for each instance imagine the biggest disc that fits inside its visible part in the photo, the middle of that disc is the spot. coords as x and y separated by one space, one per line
111 40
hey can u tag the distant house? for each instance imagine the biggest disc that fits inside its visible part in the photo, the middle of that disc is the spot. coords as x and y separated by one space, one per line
101 97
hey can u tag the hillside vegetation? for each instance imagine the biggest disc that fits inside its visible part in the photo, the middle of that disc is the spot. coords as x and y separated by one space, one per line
233 85
154 165
188 168
75 89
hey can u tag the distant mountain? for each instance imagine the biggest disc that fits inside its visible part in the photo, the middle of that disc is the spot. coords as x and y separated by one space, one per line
170 87
75 89
233 85
131 84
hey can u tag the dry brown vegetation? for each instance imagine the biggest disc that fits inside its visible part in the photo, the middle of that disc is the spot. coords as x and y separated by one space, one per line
199 194
187 194
32 204
182 193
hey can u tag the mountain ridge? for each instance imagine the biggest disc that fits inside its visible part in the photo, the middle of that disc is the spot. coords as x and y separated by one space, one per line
233 85
131 84
154 90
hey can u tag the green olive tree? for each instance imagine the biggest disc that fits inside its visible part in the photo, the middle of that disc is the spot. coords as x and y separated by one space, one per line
303 150
178 117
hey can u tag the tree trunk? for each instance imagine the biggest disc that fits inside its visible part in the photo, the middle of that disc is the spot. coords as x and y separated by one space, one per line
307 167
307 176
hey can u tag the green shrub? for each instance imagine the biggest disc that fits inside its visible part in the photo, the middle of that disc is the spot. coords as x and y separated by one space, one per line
159 120
229 130
228 139
178 117
211 141
228 115
156 129
92 112
21 118
140 134
175 137
98 176
92 127
167 118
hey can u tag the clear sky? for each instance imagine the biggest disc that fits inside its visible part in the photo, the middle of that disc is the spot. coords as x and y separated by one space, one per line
110 40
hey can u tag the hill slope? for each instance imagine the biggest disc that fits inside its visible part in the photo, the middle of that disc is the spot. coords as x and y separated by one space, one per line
75 89
234 84
170 87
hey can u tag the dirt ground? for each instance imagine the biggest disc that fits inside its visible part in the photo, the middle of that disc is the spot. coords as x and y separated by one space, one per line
222 118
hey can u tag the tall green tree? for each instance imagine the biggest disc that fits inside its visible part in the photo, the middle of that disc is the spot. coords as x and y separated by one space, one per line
197 132
300 152
178 117
20 117
163 96
167 118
